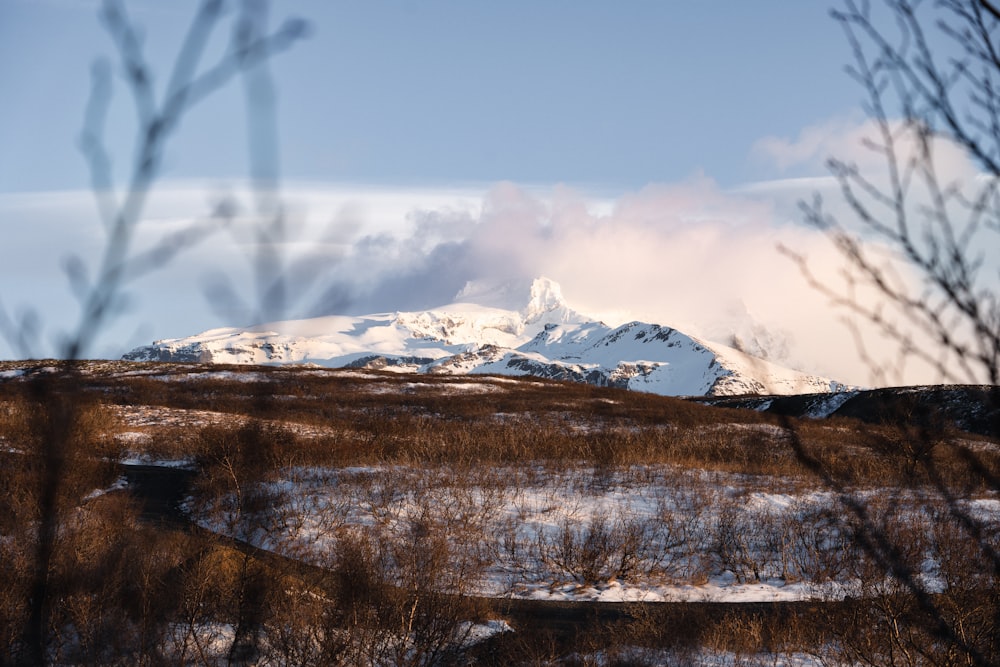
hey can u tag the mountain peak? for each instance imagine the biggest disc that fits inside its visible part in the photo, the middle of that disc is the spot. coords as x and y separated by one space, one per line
546 295
530 297
520 327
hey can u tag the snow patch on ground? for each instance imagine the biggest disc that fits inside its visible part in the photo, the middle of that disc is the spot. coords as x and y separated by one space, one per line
134 459
827 406
212 375
685 535
476 633
117 485
701 658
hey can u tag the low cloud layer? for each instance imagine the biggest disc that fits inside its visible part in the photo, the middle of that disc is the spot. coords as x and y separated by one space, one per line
688 255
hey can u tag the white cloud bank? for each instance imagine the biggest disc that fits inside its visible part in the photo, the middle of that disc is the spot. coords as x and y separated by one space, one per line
688 255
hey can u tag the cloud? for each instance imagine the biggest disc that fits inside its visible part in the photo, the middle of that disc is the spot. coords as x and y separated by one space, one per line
813 145
940 198
324 222
689 255
858 141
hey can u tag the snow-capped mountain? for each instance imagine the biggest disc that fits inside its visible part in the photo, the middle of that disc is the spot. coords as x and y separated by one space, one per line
510 329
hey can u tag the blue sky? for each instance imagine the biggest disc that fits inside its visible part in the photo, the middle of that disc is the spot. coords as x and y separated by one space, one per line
647 155
597 94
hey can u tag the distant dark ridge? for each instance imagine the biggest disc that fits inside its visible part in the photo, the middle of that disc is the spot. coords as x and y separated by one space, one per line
969 408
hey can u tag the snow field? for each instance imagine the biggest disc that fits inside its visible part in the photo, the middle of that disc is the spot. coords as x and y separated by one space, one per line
525 329
643 533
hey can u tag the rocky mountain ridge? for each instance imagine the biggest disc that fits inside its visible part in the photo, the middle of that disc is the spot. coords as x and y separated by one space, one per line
485 332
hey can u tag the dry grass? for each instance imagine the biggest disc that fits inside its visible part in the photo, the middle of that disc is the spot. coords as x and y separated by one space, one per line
240 425
328 417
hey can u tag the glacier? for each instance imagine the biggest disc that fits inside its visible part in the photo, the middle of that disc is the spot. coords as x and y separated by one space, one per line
511 328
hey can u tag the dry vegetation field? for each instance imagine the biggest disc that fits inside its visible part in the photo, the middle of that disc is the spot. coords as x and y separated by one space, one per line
186 514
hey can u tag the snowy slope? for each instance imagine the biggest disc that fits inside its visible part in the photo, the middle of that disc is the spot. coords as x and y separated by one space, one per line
511 329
